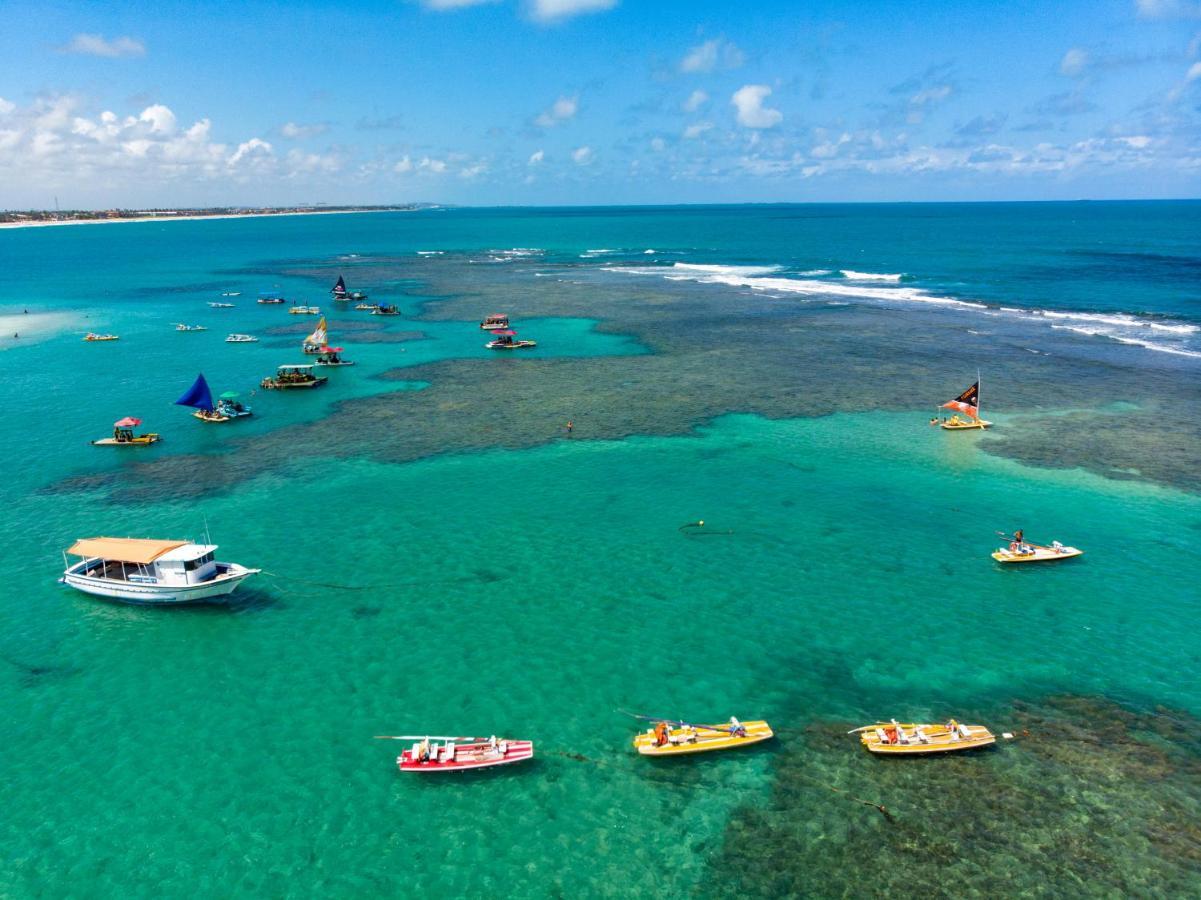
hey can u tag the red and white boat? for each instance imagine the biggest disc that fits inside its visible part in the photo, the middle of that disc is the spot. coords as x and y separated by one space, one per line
452 754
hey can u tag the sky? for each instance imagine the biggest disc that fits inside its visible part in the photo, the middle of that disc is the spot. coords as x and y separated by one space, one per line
564 102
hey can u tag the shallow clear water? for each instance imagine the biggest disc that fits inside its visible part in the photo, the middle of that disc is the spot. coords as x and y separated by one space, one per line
842 574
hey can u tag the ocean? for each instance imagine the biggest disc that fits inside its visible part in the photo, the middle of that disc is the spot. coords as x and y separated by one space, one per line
441 556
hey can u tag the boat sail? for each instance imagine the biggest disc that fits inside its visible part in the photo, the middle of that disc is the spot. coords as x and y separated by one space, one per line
198 396
967 403
339 290
318 339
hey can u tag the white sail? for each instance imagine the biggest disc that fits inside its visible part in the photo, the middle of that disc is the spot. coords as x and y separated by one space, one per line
319 337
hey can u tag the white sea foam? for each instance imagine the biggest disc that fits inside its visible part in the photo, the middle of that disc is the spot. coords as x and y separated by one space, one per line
813 272
1166 337
870 276
430 252
648 251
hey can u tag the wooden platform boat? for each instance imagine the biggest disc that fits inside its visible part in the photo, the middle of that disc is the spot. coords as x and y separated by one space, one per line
508 340
459 754
271 297
332 357
241 339
385 309
135 570
91 337
674 738
365 306
305 311
293 377
1027 553
495 322
909 739
967 403
180 326
123 435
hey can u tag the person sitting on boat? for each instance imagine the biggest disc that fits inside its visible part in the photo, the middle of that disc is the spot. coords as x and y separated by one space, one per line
890 733
423 752
737 728
953 727
493 744
661 734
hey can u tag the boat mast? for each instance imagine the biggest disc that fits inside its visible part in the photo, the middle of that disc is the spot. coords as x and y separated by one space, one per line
978 405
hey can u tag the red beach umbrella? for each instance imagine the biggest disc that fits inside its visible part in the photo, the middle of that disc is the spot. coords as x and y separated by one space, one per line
127 422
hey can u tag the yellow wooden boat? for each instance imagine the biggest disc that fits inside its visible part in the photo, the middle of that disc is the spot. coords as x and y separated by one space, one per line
1035 553
123 435
957 424
911 739
664 740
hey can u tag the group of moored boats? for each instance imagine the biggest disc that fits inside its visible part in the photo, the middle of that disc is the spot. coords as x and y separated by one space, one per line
503 336
673 737
1019 550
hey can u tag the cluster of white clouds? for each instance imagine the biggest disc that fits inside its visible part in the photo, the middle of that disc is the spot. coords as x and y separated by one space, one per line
98 45
712 54
558 112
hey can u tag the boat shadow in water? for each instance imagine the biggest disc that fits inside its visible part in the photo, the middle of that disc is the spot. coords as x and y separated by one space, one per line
38 674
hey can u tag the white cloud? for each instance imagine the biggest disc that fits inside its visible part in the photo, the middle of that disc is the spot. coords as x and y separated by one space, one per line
695 101
560 111
536 158
299 131
403 165
6 106
1073 62
1194 72
751 111
96 45
250 151
434 166
160 118
558 10
696 130
1168 9
712 53
931 95
473 170
581 156
658 144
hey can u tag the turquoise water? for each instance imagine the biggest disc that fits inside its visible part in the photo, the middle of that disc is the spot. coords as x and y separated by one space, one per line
511 580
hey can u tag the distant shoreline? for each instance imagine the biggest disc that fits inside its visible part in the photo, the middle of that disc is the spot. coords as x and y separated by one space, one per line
201 217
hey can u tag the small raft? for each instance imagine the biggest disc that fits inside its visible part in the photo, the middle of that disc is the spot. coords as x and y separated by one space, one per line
93 337
910 739
1025 553
427 755
663 740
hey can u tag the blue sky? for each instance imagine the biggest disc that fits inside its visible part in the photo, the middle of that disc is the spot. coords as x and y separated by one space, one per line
596 101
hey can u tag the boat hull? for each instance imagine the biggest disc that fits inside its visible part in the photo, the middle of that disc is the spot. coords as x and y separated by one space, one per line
156 594
978 425
939 740
271 385
468 757
515 345
142 440
708 739
1040 554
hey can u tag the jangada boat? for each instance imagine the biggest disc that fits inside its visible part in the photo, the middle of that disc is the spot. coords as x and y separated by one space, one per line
1022 551
908 739
332 356
289 377
305 310
135 570
180 326
123 435
459 754
241 339
271 297
340 293
314 342
92 337
967 403
366 306
385 309
670 737
508 340
231 294
495 322
227 409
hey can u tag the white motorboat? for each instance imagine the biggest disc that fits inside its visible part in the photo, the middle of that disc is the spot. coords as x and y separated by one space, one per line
241 339
180 326
215 305
137 570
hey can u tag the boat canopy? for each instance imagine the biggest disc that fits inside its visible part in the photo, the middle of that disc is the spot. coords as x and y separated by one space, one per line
508 332
130 550
230 395
127 422
298 366
331 349
198 395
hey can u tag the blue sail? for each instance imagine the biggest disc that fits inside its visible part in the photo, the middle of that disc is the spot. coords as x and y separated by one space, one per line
198 395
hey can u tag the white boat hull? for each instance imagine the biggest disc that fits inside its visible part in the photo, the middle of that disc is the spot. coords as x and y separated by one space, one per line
149 593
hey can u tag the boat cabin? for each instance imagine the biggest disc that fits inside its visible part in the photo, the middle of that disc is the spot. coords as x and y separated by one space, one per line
138 561
495 321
